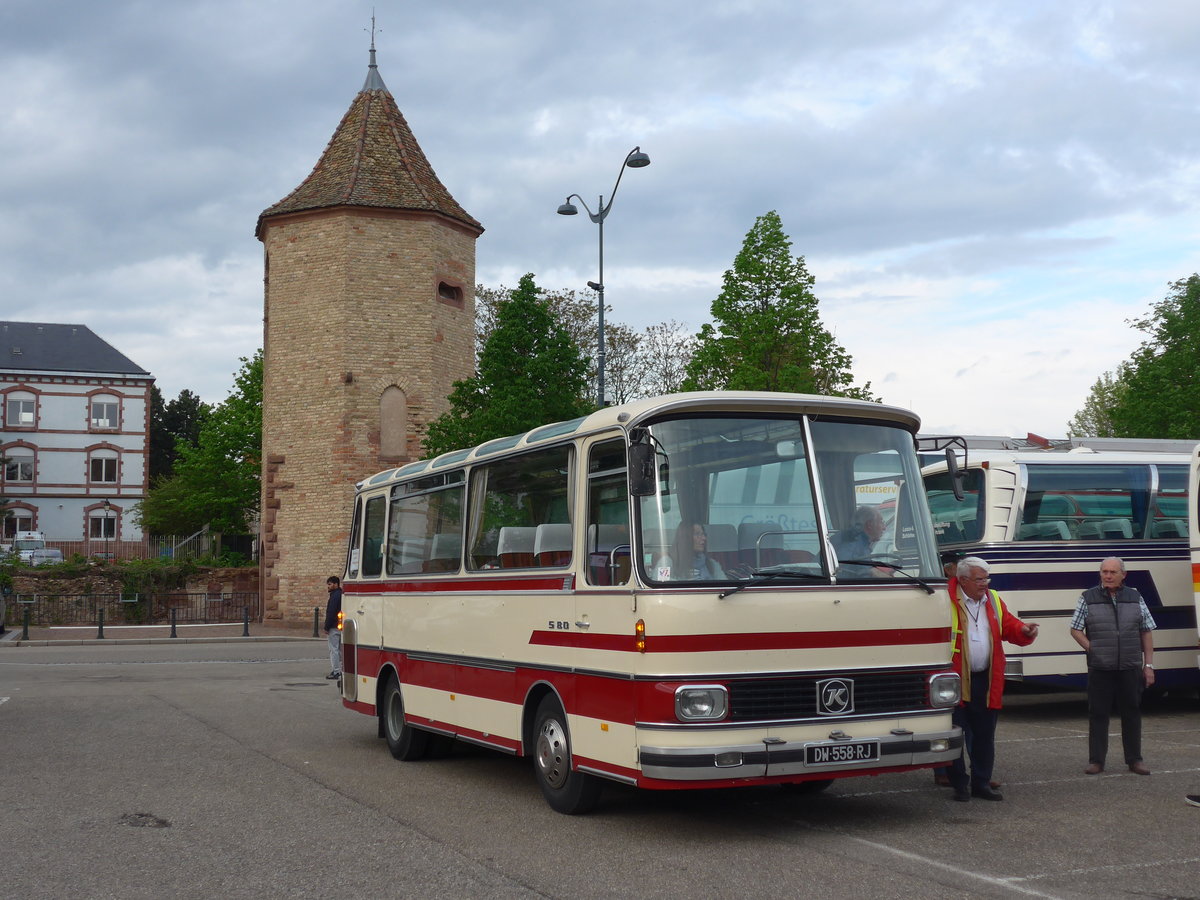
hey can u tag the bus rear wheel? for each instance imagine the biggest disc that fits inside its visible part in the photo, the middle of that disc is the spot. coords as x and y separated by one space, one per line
405 742
567 791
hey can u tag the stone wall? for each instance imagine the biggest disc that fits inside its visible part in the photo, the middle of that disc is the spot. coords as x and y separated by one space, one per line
101 581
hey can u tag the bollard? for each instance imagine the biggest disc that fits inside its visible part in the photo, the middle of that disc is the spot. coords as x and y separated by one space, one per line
100 616
316 621
174 611
245 621
25 623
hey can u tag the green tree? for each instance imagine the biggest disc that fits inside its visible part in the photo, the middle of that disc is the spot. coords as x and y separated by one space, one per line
1161 397
216 481
530 372
768 334
170 423
1095 418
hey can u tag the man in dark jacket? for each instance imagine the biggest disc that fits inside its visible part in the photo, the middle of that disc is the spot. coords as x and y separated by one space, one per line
1113 626
332 610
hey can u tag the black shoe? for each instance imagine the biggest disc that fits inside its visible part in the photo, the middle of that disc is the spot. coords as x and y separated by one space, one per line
962 796
333 675
986 793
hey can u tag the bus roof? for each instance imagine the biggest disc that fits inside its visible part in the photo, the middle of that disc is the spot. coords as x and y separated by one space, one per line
1072 456
629 415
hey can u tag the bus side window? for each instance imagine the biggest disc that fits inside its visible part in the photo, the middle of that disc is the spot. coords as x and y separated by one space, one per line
520 512
609 552
425 525
372 556
355 536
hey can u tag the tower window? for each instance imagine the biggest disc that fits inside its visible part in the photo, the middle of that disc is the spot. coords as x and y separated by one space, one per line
449 293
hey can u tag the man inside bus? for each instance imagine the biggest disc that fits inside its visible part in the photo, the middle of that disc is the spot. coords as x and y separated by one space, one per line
980 621
1114 627
857 541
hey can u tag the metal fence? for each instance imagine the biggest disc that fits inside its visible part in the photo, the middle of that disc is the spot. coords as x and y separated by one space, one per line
134 609
156 546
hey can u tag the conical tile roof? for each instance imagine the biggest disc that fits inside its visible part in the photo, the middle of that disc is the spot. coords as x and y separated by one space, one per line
372 160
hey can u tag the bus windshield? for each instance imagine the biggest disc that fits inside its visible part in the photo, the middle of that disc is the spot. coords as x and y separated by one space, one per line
743 495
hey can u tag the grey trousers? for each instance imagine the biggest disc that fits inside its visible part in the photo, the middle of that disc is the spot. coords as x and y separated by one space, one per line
335 650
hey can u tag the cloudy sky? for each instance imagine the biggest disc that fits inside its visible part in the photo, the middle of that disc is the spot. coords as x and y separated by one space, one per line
986 192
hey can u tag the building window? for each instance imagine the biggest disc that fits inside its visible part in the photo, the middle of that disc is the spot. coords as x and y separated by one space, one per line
20 411
18 466
103 470
101 526
17 520
105 412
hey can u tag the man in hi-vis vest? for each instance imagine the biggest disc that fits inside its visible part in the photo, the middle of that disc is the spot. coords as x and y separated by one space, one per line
980 622
1114 627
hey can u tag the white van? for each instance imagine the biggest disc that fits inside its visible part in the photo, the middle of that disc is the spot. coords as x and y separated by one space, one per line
26 542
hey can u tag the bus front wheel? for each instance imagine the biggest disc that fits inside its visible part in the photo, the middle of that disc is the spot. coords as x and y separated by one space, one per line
567 791
405 742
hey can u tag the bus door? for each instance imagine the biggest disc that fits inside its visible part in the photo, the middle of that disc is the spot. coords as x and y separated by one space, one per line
1194 531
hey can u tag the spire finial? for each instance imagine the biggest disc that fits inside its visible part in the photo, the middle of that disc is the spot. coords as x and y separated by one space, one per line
373 82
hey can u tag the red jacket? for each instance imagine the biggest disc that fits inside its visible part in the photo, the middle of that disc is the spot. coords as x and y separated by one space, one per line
1010 629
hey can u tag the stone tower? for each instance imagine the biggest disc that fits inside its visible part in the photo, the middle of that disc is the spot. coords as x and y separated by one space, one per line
369 319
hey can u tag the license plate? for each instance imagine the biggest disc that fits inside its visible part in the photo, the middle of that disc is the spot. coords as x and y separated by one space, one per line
841 752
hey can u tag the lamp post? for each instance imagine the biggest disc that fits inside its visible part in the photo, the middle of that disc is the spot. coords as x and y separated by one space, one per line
634 159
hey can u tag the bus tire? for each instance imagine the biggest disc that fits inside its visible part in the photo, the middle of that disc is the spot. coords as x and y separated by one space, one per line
405 742
567 791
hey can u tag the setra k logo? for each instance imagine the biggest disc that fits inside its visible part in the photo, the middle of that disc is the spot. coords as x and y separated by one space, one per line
835 697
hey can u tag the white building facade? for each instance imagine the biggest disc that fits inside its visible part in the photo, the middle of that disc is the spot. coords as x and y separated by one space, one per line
74 436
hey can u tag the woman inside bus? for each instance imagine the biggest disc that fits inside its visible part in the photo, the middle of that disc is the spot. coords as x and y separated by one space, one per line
690 547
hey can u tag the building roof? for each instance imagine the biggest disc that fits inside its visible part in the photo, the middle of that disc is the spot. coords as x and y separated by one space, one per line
372 160
45 347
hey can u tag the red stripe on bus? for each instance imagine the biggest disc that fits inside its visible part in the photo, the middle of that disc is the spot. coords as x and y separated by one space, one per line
562 582
702 643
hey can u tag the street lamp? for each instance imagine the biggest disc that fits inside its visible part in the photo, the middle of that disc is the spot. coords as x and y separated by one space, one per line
104 526
634 159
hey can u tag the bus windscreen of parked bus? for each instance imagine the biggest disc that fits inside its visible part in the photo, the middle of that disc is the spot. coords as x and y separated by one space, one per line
748 484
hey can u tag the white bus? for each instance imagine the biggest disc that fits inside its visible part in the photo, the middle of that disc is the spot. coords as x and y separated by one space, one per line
1194 534
1045 519
523 595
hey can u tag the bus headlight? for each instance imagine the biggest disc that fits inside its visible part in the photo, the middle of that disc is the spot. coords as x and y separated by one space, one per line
944 690
701 703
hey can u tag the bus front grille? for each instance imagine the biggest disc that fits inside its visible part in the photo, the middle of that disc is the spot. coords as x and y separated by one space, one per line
881 693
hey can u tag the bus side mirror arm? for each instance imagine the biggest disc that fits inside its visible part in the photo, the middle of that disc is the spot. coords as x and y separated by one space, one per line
958 474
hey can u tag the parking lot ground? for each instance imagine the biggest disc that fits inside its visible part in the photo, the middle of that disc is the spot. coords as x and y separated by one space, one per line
229 768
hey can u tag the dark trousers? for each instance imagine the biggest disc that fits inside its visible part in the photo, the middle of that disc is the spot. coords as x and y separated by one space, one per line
978 724
1124 688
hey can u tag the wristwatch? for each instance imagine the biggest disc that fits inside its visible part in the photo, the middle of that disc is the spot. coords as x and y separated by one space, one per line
1147 665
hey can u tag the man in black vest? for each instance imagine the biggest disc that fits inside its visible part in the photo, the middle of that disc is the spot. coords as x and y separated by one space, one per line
1113 626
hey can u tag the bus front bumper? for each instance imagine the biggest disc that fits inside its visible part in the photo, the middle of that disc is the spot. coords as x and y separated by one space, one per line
781 756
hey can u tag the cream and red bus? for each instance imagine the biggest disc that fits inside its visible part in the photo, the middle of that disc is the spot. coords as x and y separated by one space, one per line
652 595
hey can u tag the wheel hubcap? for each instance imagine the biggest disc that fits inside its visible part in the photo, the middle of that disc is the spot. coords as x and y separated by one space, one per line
553 756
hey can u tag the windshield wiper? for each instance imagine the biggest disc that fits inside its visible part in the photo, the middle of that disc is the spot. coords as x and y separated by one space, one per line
762 576
881 564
